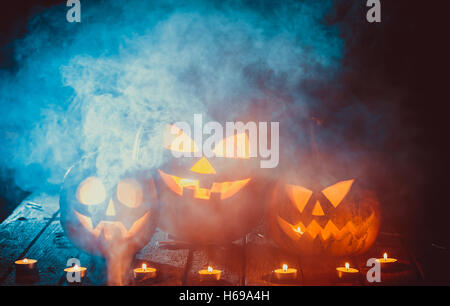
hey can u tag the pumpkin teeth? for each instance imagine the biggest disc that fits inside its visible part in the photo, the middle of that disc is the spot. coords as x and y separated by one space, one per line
108 228
314 230
222 190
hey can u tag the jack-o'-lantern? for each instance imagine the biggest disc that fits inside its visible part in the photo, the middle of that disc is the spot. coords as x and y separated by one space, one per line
208 200
337 219
112 219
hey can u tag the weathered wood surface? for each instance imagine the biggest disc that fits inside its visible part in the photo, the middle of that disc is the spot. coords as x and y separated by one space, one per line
33 230
170 263
22 228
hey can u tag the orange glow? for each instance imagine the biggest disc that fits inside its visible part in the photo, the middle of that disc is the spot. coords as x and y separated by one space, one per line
347 266
91 191
225 189
285 273
144 272
298 230
187 183
299 195
237 146
318 211
108 227
337 192
76 268
203 166
25 261
314 230
210 269
177 140
386 259
129 192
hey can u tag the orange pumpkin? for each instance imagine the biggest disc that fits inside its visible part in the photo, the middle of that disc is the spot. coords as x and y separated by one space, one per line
106 218
209 200
334 219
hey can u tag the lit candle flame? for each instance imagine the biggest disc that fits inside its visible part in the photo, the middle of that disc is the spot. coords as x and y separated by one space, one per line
144 267
385 256
347 266
299 230
285 267
25 260
210 269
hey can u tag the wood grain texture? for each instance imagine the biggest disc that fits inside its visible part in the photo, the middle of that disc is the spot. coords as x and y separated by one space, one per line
34 230
23 227
169 259
263 256
404 272
52 250
227 258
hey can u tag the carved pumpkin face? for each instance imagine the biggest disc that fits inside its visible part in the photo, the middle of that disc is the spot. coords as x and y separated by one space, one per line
98 215
208 200
339 219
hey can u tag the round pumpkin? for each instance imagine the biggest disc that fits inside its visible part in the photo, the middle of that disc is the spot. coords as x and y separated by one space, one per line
208 200
106 217
324 219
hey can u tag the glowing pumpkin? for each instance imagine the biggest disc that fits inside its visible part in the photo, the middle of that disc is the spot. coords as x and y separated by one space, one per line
339 219
108 218
208 200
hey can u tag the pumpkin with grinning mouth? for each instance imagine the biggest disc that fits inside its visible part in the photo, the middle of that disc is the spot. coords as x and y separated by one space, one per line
209 200
98 214
340 219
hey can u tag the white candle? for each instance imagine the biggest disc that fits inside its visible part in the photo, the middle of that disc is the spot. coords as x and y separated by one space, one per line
144 273
209 274
347 272
285 273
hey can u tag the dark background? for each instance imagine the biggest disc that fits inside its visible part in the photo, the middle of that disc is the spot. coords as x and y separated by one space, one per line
407 53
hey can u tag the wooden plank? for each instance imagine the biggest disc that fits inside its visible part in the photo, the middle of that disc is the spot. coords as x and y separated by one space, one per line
170 262
23 227
227 258
404 272
262 256
321 271
52 250
432 262
33 230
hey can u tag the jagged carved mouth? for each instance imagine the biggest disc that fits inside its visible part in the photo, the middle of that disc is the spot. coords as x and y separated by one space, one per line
110 229
222 190
314 230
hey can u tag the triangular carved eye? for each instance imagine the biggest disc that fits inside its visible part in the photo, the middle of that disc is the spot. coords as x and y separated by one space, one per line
299 196
91 191
337 192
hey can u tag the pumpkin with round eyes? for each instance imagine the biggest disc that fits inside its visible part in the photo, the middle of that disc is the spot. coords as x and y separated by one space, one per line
340 219
208 200
108 218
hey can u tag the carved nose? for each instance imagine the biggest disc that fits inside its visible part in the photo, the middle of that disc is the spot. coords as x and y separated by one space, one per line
317 210
203 166
111 210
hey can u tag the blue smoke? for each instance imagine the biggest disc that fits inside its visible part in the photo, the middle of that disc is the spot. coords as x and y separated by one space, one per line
87 87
